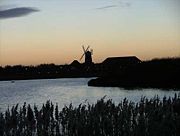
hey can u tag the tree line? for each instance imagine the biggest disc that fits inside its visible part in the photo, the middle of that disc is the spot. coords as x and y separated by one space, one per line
43 71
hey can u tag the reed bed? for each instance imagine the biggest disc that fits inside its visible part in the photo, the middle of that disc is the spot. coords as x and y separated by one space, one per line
148 117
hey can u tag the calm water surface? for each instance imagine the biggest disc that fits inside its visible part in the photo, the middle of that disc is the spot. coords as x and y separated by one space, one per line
65 91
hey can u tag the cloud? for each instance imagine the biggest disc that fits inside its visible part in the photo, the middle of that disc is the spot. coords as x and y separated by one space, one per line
121 4
17 12
109 6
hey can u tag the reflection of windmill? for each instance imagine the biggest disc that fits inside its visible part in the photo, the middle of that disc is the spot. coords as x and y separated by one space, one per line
88 55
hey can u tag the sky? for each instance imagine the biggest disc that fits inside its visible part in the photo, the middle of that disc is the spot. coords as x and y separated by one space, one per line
33 32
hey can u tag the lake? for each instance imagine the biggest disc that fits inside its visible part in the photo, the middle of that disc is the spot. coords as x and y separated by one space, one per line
67 90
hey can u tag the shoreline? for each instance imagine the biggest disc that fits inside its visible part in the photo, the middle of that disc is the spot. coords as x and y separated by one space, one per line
160 73
113 72
103 82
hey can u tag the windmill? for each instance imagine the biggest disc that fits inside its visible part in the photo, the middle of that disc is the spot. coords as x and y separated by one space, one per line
88 55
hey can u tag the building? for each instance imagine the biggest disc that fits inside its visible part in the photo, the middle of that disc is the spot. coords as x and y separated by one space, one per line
120 62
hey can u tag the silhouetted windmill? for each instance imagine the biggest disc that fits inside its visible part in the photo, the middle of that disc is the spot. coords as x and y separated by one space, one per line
88 55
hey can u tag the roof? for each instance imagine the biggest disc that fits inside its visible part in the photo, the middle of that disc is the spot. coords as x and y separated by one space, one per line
75 63
121 60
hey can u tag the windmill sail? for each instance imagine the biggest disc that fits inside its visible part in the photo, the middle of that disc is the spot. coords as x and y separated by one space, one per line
87 54
81 57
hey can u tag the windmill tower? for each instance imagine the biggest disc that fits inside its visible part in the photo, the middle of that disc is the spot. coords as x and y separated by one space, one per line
88 55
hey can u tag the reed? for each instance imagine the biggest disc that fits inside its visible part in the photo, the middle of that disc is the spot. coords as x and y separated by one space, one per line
148 117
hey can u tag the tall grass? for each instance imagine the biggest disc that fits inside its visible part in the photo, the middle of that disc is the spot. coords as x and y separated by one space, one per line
148 117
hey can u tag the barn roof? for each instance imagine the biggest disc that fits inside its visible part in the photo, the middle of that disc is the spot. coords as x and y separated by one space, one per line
121 60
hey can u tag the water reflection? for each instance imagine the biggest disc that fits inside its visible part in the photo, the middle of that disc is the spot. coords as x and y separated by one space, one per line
65 91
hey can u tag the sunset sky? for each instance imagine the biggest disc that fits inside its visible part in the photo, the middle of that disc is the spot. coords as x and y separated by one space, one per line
52 31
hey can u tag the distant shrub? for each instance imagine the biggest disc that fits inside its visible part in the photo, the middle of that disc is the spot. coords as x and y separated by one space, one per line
148 117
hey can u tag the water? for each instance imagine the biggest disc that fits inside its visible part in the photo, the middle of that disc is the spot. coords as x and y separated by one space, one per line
65 91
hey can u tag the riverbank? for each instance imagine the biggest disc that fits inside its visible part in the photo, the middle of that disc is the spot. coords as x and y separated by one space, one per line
46 71
126 72
157 73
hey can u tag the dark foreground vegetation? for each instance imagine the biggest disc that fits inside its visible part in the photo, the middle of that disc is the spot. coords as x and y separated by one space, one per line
156 73
148 117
